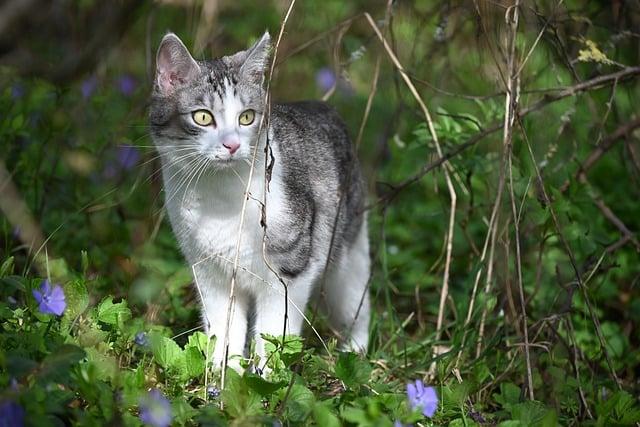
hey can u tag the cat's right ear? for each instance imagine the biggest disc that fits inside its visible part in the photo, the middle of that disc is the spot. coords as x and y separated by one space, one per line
174 65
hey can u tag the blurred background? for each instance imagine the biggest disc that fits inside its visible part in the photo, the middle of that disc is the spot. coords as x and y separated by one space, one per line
79 171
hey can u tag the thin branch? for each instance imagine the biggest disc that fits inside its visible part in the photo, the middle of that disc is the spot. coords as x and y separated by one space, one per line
452 193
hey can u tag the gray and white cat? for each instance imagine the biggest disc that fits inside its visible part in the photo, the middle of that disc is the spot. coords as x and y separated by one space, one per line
205 118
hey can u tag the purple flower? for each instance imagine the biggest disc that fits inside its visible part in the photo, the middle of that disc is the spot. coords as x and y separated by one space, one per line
88 86
155 409
11 414
51 299
422 397
17 91
126 84
325 79
397 423
141 339
128 156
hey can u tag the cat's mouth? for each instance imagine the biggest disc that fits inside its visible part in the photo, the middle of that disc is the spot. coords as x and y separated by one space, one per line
225 161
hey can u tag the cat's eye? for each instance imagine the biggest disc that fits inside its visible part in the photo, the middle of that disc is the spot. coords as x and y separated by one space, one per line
202 117
247 117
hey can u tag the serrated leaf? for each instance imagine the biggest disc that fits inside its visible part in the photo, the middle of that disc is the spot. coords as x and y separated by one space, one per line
165 351
352 370
113 313
299 404
240 400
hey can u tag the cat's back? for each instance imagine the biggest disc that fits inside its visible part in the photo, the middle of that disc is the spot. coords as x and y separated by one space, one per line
312 138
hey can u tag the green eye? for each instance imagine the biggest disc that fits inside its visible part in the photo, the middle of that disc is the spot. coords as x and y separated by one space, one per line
246 118
202 117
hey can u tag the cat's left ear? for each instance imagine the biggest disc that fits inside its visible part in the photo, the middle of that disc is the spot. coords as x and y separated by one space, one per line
255 65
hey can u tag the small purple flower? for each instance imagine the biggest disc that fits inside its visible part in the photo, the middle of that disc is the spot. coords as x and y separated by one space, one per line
126 84
397 423
89 86
51 299
422 397
141 339
17 91
155 409
128 156
325 79
11 414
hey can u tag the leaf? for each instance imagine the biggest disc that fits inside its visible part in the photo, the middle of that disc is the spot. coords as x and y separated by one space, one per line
165 351
194 361
76 297
113 314
262 386
199 340
324 417
352 370
240 400
299 403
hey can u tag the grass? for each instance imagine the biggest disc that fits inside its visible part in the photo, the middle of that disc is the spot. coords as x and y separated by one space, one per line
83 169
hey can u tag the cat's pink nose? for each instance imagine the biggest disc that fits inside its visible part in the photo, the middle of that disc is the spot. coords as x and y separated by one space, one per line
231 145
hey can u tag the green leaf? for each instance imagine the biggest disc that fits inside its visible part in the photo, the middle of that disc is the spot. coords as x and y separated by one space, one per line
165 351
300 403
262 386
324 417
113 314
194 361
199 340
352 370
76 297
239 399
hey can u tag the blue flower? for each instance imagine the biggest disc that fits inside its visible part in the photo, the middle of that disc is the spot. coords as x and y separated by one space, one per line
11 414
325 79
155 409
141 339
88 86
51 299
126 84
213 392
128 156
17 91
422 397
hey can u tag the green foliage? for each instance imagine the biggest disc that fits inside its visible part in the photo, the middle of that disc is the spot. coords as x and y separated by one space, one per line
131 320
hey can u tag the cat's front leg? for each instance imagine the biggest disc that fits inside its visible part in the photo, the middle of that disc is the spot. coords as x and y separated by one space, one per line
215 306
275 314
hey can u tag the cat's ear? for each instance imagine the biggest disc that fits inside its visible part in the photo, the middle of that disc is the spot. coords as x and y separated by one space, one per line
256 60
174 64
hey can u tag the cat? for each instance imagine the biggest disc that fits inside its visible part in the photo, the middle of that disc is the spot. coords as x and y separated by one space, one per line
205 120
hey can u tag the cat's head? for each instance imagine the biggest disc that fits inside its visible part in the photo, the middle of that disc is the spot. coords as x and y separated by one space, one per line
208 110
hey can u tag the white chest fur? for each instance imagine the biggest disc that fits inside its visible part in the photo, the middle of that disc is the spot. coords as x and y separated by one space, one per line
206 218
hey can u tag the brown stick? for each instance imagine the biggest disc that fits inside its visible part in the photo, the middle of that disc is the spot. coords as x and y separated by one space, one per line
601 149
18 214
